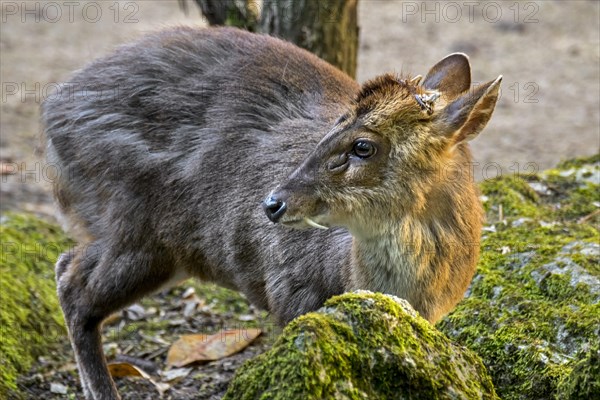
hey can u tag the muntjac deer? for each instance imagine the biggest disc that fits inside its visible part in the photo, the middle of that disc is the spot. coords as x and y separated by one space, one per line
176 146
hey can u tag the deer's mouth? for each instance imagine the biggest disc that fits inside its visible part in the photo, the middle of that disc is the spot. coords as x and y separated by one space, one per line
305 222
314 224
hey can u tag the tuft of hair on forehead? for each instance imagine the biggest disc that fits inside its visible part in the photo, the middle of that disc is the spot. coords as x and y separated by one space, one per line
389 96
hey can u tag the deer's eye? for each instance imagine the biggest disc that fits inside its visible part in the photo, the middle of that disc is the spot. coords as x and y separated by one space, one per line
363 149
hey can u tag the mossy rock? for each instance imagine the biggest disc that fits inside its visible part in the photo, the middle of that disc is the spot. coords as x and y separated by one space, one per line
30 316
584 381
534 305
362 346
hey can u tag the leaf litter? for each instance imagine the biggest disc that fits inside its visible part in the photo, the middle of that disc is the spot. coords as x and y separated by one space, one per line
183 343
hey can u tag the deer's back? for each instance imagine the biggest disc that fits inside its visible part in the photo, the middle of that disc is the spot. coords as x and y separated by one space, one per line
178 137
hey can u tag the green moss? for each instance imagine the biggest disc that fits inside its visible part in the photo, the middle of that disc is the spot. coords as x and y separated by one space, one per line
150 327
535 300
512 193
231 305
579 162
362 346
584 381
220 299
30 317
580 202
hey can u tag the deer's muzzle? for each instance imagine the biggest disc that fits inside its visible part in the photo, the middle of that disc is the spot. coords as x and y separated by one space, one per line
274 208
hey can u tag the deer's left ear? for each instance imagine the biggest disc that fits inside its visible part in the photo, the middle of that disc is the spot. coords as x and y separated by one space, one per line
451 76
465 117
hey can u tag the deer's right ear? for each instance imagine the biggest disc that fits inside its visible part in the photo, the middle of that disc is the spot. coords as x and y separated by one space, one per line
465 117
451 76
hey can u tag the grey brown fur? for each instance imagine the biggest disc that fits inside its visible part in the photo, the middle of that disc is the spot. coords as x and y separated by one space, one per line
176 140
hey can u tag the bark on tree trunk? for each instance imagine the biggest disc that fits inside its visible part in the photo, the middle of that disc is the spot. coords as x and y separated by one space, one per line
238 13
327 28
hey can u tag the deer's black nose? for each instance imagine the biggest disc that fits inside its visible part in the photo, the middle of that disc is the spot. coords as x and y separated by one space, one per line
274 208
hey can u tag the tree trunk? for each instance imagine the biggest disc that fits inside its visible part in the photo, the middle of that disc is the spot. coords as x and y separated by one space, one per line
327 28
238 13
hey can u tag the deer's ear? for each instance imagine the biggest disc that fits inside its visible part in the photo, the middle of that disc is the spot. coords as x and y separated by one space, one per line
450 76
465 117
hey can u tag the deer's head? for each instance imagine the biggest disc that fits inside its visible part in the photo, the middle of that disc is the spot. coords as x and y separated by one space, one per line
378 158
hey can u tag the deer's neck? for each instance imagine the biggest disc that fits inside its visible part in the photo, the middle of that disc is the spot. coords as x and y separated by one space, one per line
426 252
393 261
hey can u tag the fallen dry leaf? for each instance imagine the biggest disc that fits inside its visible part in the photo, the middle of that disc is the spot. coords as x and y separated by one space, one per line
175 374
123 369
119 370
146 365
134 312
192 348
189 292
190 308
162 387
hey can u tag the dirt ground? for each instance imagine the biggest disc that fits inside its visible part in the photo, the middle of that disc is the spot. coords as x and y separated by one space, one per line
547 51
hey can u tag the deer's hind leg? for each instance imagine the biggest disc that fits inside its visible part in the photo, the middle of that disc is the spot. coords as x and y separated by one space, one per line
94 281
